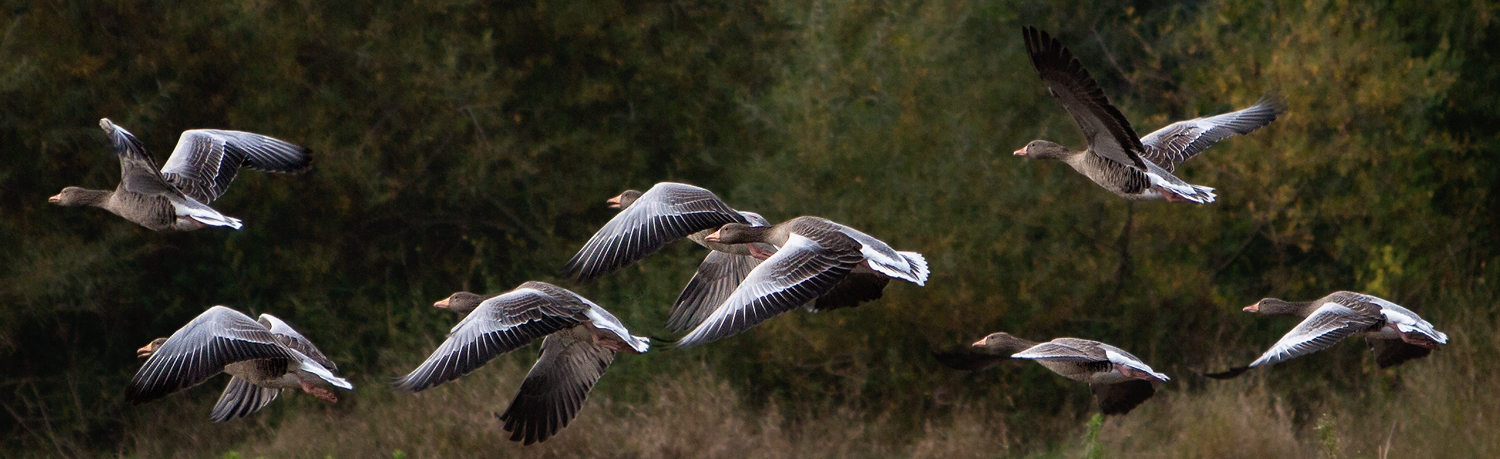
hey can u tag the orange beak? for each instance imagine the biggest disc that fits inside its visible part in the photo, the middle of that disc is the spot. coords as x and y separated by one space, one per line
1253 308
145 351
979 343
1021 152
55 199
614 203
713 237
441 304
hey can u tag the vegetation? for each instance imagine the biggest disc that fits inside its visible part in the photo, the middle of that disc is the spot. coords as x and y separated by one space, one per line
470 145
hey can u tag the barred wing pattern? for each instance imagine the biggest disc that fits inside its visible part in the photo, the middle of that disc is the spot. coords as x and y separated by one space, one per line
207 160
665 213
1183 140
200 350
499 325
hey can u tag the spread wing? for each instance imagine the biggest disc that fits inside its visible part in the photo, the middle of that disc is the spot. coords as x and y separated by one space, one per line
1325 327
1066 350
290 338
556 387
1183 140
138 172
499 325
665 213
240 399
206 160
1108 132
717 277
200 350
800 271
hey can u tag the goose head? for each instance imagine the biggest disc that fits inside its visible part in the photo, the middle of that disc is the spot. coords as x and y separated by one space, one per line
738 233
1276 307
1042 149
1002 342
460 302
74 196
150 348
624 200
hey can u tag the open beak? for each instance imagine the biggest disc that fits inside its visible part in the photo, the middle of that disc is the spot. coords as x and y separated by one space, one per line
614 203
441 304
979 343
145 351
55 199
1253 308
1021 152
713 237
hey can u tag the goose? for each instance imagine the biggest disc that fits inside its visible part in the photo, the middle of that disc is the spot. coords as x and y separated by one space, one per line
818 263
1135 168
262 357
581 340
176 197
665 213
1395 333
1120 381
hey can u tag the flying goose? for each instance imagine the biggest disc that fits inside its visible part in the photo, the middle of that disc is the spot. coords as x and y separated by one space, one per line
818 263
1136 168
176 197
1396 334
262 357
663 214
1120 381
581 340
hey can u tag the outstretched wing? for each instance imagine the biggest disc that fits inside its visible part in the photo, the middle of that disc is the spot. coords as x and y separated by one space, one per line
290 338
717 277
138 172
499 325
556 387
206 160
200 350
240 399
1183 140
665 213
799 272
1325 327
1108 132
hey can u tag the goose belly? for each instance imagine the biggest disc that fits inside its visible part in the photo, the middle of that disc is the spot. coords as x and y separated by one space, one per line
268 373
153 212
1125 181
1087 372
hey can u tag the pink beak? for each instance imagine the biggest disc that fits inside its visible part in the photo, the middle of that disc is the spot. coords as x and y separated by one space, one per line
1253 308
55 199
712 237
1021 152
441 304
614 203
979 343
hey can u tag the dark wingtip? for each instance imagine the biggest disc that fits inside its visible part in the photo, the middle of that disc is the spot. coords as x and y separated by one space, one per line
1227 374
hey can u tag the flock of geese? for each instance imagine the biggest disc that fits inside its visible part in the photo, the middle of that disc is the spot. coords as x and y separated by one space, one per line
753 272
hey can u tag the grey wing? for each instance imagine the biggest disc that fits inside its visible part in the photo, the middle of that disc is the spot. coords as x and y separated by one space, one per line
138 172
665 213
799 272
556 387
1108 132
1392 352
200 350
1325 327
240 399
499 325
290 338
1183 140
717 277
207 160
1066 350
1120 398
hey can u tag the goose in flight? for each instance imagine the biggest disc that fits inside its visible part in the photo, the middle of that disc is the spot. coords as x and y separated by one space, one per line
579 341
176 197
1395 333
817 263
262 357
649 221
1135 168
1120 381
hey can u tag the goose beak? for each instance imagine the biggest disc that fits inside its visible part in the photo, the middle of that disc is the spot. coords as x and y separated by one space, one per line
441 304
614 203
979 343
713 237
1253 308
55 199
145 351
1021 152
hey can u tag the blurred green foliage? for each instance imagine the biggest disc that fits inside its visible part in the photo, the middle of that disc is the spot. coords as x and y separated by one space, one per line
470 146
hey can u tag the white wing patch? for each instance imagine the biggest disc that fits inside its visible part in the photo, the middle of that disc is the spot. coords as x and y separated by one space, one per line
1115 357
